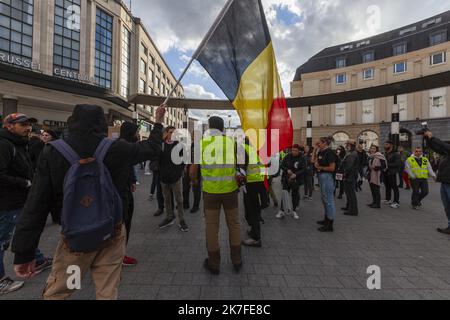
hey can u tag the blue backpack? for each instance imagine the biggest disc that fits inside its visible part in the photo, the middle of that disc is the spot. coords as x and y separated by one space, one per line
92 207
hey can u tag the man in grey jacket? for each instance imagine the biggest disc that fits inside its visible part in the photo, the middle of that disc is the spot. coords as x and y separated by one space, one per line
349 169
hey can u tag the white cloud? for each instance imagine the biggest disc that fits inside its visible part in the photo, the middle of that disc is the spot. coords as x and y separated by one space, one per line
196 91
322 23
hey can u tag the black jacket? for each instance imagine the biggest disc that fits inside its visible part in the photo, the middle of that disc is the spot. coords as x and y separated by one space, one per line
394 162
350 165
296 164
443 149
15 171
87 128
169 171
35 147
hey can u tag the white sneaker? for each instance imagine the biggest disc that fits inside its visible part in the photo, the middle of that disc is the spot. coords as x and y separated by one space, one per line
388 202
296 217
148 173
7 285
280 215
138 183
395 205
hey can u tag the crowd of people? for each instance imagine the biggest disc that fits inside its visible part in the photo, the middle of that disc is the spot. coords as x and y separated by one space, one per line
86 183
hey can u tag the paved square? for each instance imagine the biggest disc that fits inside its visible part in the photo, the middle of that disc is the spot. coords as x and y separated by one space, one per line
296 261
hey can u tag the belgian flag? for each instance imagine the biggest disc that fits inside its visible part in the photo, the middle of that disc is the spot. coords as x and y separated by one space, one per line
239 57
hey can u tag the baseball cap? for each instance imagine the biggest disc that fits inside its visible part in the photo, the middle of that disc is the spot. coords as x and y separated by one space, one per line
16 118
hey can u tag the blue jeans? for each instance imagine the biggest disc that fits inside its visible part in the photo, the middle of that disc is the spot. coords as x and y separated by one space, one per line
327 185
445 196
8 220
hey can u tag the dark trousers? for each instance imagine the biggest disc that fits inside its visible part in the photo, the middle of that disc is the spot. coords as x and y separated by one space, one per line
252 205
420 191
129 210
376 194
391 185
159 192
197 190
154 180
309 185
294 189
400 177
350 192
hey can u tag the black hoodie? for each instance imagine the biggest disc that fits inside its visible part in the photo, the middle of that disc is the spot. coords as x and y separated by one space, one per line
15 171
87 127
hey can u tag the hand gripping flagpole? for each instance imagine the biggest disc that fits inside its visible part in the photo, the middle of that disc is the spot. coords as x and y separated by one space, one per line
202 45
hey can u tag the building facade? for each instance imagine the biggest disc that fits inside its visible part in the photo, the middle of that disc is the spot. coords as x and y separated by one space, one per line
55 54
415 51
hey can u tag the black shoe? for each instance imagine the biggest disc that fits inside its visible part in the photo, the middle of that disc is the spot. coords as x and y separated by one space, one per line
237 267
375 206
371 204
323 222
340 198
444 231
194 209
183 226
166 223
348 213
328 227
158 213
344 209
211 270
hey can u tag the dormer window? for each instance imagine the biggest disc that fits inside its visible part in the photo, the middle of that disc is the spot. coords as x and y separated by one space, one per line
341 63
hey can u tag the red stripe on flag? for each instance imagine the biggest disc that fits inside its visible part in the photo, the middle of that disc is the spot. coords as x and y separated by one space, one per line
279 118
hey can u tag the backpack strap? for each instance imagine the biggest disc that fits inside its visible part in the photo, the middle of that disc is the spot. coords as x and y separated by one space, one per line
66 151
102 149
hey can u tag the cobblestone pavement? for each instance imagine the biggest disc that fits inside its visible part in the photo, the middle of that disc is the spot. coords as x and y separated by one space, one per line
296 261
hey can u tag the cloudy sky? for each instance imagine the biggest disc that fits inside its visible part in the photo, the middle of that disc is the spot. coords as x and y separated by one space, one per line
299 29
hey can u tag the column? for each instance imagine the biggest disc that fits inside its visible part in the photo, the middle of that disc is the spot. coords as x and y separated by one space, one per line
9 105
309 125
395 125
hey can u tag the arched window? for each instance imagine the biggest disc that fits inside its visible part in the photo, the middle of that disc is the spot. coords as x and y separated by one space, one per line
339 139
368 139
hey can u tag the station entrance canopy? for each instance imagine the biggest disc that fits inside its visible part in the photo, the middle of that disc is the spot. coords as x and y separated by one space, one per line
397 88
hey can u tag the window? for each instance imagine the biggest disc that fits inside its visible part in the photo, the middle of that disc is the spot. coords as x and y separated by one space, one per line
158 67
400 67
402 101
16 28
142 86
66 46
341 78
341 63
340 139
103 48
152 59
438 37
368 139
125 63
341 114
368 74
438 106
143 49
368 111
150 75
438 58
400 49
368 56
143 66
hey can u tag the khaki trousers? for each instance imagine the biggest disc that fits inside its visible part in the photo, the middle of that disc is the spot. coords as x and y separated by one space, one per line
213 204
105 266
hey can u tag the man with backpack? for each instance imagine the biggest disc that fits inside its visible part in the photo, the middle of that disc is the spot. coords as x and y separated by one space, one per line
86 176
16 172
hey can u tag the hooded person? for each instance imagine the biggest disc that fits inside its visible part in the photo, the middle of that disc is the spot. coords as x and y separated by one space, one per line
87 128
129 133
377 165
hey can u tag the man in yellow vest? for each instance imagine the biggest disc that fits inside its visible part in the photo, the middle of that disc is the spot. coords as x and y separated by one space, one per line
419 170
253 194
220 189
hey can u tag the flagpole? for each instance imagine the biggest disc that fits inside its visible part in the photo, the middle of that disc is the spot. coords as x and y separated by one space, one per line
201 46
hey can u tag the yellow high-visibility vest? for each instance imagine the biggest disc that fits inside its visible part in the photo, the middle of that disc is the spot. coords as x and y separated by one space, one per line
218 165
420 172
255 169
